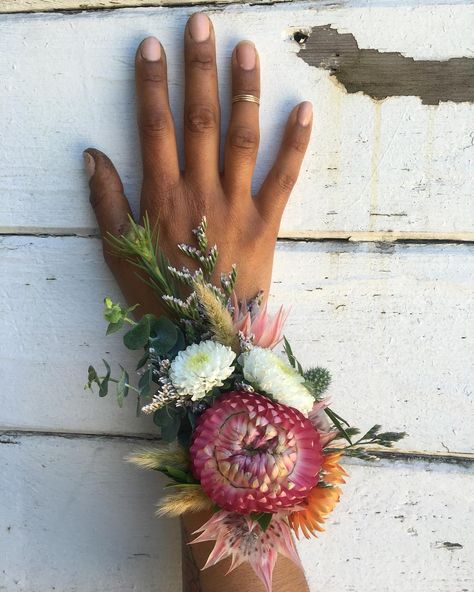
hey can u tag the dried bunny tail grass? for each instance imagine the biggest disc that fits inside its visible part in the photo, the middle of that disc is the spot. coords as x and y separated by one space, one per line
186 498
157 458
218 317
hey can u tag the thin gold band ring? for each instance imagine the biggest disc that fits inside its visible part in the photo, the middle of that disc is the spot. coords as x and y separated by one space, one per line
249 98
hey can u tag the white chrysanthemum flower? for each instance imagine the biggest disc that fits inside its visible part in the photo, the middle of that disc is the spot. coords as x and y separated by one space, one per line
266 371
201 367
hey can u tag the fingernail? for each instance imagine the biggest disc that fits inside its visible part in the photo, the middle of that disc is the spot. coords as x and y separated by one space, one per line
150 49
89 163
305 113
199 27
246 55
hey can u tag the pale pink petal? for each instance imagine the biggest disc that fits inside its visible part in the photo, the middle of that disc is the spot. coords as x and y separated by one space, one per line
242 539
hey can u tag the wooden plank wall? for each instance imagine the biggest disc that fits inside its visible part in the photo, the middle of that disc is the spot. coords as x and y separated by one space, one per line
375 254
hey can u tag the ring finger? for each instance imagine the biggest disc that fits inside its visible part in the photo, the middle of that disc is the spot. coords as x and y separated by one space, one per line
243 136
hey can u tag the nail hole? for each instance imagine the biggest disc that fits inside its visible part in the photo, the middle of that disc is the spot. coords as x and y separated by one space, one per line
300 37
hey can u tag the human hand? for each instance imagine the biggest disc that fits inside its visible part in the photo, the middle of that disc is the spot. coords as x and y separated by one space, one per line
245 227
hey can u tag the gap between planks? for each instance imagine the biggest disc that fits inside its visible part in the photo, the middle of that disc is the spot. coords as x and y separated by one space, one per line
29 6
284 235
9 437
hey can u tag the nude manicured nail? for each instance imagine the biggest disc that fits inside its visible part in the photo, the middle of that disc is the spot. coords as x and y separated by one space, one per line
89 163
199 27
150 49
246 55
305 113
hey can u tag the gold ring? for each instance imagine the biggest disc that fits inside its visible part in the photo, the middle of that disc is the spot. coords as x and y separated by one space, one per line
249 98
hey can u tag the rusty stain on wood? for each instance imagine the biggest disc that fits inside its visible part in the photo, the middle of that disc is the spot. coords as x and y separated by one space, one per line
387 74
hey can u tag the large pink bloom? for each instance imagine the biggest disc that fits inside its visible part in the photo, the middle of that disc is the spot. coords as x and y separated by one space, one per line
242 539
258 324
252 454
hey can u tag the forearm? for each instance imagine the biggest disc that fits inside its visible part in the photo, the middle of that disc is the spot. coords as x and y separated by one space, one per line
287 576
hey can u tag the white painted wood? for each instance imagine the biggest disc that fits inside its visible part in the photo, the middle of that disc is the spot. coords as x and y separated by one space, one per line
393 324
397 165
12 6
76 518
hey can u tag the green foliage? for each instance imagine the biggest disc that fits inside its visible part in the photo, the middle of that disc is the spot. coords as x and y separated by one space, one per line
160 334
145 382
374 437
122 387
168 418
116 315
291 357
104 385
317 380
339 422
137 337
263 519
164 335
140 247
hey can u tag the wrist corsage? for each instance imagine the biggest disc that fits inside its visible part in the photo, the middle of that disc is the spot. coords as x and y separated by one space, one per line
250 434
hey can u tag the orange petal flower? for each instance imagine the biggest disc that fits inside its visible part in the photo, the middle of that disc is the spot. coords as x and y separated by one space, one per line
321 501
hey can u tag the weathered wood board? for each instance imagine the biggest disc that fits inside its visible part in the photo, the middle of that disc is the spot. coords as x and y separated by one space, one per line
394 324
13 6
76 518
66 82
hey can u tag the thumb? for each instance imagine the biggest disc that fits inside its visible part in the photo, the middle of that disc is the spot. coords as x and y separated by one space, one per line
110 205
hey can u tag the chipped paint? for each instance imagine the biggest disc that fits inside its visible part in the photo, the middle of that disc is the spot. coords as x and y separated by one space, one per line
387 74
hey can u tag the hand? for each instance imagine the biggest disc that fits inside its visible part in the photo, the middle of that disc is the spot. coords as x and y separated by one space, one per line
245 227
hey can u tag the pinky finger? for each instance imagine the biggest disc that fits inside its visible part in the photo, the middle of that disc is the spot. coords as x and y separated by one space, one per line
276 188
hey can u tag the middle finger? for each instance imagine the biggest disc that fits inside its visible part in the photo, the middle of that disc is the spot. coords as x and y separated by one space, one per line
201 104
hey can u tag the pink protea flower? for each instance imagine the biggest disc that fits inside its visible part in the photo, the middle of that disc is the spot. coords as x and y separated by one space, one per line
318 417
242 539
252 454
254 321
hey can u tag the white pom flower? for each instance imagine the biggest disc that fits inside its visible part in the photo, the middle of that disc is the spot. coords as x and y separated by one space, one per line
265 370
201 367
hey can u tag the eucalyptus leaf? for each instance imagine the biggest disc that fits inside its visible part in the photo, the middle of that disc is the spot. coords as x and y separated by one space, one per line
114 327
168 419
144 384
138 336
122 387
170 431
143 360
104 385
92 377
163 334
179 345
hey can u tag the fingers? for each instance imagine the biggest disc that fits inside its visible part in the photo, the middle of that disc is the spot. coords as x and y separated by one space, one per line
243 135
201 104
277 186
155 120
106 193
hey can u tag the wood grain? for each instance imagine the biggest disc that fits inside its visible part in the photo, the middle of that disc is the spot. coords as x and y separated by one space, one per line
15 6
75 517
394 324
372 166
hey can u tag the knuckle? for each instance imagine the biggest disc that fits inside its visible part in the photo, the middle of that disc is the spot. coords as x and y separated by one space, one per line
154 124
298 144
201 119
153 73
244 139
202 59
248 90
285 181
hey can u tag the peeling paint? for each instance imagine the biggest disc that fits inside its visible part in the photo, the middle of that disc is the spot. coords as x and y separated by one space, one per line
386 74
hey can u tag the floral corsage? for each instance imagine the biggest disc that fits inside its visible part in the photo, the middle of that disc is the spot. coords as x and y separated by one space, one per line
250 434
